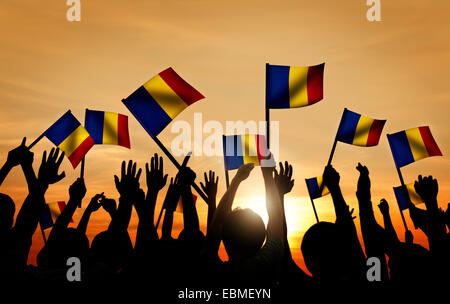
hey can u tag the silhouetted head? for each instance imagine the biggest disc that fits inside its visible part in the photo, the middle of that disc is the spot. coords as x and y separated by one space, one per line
111 249
410 262
70 243
324 251
7 209
243 233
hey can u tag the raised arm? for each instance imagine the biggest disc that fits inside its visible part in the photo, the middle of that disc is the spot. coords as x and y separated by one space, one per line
170 205
391 235
210 188
93 206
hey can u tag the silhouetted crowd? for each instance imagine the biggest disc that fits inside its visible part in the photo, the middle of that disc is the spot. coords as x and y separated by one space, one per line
258 256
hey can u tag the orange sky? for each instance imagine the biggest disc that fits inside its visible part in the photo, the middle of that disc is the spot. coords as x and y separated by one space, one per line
396 69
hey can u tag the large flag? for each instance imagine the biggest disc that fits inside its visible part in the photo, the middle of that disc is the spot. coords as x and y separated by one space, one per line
313 184
107 128
411 145
402 199
293 87
71 137
359 130
243 149
158 101
50 213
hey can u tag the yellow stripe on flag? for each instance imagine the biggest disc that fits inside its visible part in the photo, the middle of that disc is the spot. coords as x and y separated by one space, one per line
54 211
73 141
325 190
413 196
250 148
416 144
110 124
298 86
362 131
169 101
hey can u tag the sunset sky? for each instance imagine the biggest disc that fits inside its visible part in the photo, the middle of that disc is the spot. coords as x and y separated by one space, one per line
396 69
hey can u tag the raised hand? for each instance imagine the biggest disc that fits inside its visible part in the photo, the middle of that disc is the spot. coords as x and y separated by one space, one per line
156 179
96 202
210 186
128 184
173 195
244 172
331 178
428 188
109 205
77 191
186 177
384 207
48 171
284 180
20 155
363 182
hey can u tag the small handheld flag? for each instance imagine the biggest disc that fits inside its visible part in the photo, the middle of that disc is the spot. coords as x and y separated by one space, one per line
402 200
107 128
314 184
293 87
243 149
50 213
158 101
71 137
359 130
412 145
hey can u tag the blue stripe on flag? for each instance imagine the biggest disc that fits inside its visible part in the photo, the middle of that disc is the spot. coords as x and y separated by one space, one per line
400 149
232 152
277 87
62 128
347 127
93 123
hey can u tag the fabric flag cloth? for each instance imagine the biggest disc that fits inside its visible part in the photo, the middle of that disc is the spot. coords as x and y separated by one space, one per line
293 87
313 184
412 145
107 128
359 130
158 101
243 149
50 214
402 199
71 137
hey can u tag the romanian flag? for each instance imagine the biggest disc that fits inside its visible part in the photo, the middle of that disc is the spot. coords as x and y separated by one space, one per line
411 145
50 214
243 149
107 128
71 137
402 198
359 130
293 87
160 100
313 184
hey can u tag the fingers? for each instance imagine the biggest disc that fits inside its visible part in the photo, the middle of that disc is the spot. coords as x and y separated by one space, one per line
281 168
60 176
205 176
23 142
44 157
122 170
138 175
116 181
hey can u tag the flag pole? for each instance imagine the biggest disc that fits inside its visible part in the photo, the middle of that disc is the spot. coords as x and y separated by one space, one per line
400 176
82 168
43 234
159 218
36 141
312 203
267 115
227 178
177 164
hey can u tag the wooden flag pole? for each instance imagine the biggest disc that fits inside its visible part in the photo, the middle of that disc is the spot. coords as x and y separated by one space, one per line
159 218
400 176
36 141
177 164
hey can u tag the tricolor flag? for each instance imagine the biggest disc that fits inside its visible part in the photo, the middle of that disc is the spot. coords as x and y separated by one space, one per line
293 87
411 145
313 184
71 137
243 149
160 100
402 199
107 128
359 130
50 213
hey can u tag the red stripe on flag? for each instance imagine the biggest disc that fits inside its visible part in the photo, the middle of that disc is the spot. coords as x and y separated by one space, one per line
123 137
375 132
61 206
81 151
183 89
430 143
315 83
261 147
